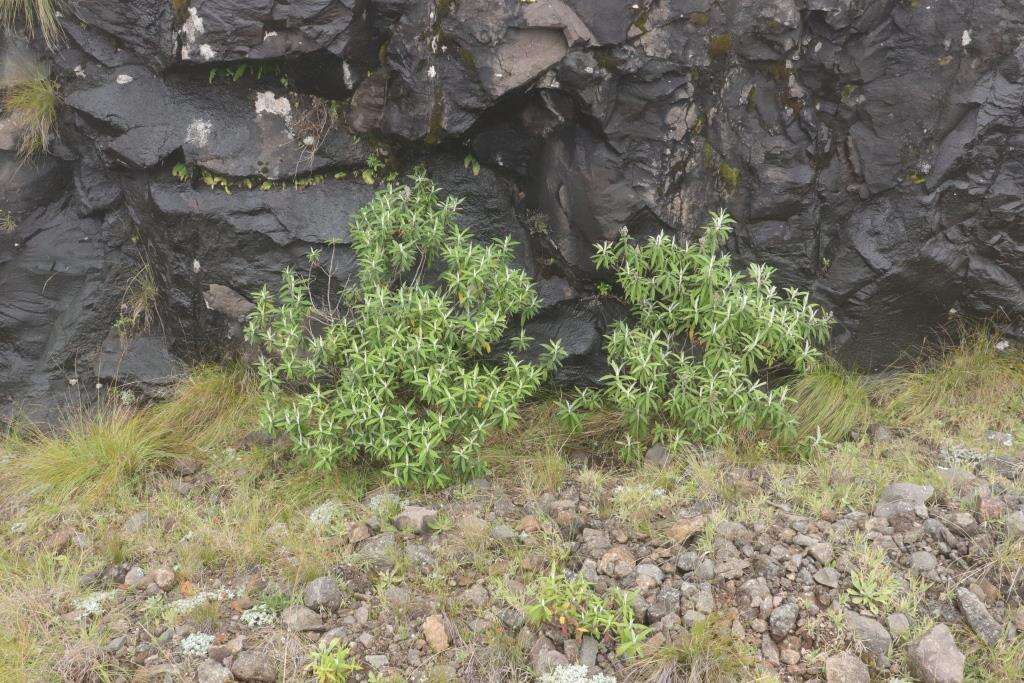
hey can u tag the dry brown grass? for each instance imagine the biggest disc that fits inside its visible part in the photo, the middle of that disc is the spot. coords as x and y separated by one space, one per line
32 104
35 16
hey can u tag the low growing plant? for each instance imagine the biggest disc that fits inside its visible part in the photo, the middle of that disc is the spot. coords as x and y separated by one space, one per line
692 365
574 606
332 662
401 378
872 583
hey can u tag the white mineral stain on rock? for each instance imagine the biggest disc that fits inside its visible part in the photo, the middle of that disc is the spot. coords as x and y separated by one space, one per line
124 79
198 132
267 103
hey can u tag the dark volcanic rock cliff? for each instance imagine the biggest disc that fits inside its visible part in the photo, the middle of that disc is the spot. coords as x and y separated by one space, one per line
870 150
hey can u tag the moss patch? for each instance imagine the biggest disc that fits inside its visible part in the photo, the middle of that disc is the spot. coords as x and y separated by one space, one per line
720 46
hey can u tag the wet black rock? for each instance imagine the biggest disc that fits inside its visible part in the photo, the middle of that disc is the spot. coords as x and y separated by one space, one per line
866 149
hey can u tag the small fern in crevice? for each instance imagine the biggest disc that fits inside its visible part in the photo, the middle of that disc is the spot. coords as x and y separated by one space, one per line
7 222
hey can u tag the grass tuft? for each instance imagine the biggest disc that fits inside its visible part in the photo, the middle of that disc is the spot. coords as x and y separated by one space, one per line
34 15
32 104
99 454
831 401
1003 661
138 303
947 390
708 653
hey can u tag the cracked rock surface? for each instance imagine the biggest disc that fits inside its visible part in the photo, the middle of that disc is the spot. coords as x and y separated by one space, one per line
867 150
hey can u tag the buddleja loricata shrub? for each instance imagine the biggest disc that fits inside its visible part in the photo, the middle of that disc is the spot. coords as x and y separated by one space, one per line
399 379
691 366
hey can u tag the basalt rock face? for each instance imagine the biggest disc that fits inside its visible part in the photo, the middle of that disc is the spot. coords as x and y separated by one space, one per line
870 150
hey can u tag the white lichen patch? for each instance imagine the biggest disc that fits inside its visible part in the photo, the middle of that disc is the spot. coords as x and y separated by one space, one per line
124 79
193 26
267 103
574 673
186 605
258 616
198 132
190 31
326 514
92 604
197 644
346 73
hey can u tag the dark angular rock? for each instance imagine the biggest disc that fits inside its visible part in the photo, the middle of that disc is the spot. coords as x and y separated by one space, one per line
977 616
872 636
935 657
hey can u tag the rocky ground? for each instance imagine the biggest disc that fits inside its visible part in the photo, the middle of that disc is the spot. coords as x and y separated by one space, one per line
886 558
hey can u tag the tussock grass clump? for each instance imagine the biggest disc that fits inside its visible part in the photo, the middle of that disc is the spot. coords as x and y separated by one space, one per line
948 390
33 105
33 15
1003 661
95 455
830 401
30 638
962 390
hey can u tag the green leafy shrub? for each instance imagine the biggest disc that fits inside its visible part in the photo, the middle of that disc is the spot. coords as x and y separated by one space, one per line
692 365
572 604
399 379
